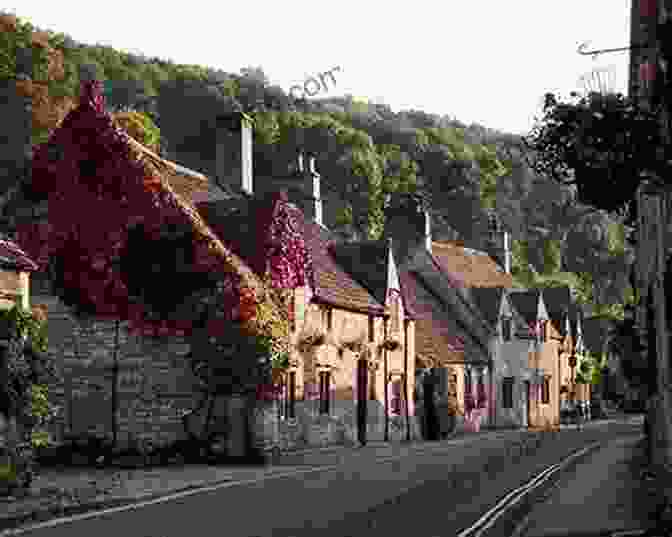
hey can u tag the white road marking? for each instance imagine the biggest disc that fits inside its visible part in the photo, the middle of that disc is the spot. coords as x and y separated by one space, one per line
227 484
208 488
491 516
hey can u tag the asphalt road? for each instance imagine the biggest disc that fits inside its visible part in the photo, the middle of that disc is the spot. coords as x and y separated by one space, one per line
431 492
603 494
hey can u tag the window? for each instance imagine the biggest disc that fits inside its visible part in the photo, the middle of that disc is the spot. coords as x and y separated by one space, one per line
291 310
290 396
468 393
506 329
395 314
507 392
327 317
481 390
396 397
542 331
546 391
371 327
325 385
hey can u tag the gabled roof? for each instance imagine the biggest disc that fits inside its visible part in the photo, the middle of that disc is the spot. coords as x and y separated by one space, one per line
449 306
471 267
237 221
439 340
372 264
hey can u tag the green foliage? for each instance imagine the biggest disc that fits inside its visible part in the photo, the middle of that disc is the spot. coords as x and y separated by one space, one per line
10 42
552 257
140 127
589 370
601 143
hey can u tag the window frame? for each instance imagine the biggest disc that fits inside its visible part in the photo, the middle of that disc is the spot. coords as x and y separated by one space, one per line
507 392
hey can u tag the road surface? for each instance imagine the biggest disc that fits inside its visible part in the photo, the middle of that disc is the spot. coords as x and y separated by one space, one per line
438 491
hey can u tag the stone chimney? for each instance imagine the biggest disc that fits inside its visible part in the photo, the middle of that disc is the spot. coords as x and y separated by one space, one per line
407 223
315 195
499 242
234 161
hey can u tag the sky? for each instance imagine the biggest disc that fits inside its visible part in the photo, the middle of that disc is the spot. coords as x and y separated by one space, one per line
479 61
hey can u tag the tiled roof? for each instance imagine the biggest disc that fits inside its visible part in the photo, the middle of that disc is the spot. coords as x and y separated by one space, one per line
234 221
333 283
12 257
367 263
470 267
437 338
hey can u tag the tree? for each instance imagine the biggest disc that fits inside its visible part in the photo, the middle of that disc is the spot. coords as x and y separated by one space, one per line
601 143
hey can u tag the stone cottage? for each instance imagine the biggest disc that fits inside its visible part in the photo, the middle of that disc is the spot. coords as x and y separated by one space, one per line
353 333
464 368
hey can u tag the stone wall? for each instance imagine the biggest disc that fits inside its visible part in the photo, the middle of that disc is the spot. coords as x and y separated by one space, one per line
155 383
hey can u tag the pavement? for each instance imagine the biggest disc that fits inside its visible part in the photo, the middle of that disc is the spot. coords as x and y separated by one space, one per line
63 493
604 494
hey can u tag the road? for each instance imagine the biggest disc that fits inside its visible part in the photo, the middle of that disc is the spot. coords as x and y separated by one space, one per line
438 490
601 495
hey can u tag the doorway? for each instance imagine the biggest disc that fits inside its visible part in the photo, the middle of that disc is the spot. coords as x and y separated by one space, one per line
429 405
528 398
362 399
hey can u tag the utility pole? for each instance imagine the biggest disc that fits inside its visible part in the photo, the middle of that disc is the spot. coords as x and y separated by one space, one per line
648 68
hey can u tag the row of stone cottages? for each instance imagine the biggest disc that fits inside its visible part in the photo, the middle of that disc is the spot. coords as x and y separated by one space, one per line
401 338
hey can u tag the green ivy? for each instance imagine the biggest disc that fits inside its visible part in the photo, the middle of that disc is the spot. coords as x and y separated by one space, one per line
24 324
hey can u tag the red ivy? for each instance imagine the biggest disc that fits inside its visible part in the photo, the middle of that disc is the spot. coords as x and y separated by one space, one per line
96 191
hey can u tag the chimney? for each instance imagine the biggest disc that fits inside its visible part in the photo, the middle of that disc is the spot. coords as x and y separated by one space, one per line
228 158
499 242
407 223
507 252
428 230
316 198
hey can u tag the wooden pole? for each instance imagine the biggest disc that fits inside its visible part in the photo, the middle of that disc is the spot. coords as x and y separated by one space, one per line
408 420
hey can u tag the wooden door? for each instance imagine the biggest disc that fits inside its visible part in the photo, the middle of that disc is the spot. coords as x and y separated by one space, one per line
362 398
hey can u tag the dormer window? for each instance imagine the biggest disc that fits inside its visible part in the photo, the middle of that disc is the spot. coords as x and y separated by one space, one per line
506 328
